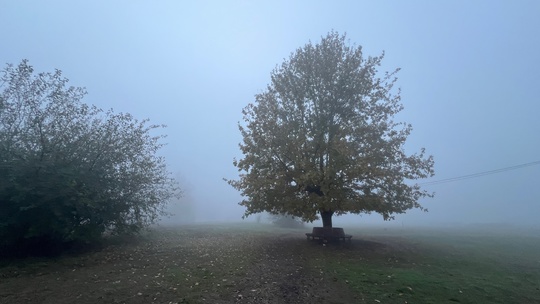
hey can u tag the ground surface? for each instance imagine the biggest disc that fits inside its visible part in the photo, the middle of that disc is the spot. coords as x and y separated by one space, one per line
214 264
255 264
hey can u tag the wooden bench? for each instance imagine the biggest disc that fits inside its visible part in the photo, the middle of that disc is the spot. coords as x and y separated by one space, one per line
316 234
321 233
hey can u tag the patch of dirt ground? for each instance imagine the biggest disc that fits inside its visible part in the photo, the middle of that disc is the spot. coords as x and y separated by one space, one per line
192 264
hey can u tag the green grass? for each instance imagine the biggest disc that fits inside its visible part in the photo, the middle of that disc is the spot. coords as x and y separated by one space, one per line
423 266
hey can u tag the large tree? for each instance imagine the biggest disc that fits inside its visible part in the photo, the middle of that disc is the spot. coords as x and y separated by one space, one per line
321 139
69 171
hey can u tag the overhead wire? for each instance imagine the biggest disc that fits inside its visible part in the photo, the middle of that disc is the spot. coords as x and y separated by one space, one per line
479 174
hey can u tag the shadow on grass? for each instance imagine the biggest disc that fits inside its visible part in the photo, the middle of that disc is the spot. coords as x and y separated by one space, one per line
23 252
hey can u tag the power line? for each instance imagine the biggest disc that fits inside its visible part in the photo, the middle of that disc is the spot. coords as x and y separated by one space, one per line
458 178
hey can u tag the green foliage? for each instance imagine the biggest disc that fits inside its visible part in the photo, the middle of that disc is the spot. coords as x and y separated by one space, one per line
69 171
321 139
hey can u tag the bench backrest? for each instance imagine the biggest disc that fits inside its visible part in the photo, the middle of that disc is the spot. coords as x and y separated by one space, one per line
328 231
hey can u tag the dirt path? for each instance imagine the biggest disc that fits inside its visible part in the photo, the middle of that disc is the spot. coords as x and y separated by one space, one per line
281 274
188 265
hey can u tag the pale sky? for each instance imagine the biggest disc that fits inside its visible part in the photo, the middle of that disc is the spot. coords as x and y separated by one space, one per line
470 83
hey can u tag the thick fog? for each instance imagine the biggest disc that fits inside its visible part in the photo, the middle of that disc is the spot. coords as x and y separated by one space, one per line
470 80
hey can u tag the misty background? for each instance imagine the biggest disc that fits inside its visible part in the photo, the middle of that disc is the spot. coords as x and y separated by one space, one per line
470 80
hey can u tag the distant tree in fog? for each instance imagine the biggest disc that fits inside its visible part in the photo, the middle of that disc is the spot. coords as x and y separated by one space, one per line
321 140
286 221
69 171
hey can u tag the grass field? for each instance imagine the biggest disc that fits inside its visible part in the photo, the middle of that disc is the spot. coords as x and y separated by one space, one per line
257 263
442 266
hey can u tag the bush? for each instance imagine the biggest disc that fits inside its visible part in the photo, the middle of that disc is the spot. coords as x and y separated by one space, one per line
70 172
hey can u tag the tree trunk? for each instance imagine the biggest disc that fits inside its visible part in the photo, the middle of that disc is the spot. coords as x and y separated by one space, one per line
327 218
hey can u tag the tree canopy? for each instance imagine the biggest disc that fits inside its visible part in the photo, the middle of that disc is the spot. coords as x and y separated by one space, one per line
70 171
321 139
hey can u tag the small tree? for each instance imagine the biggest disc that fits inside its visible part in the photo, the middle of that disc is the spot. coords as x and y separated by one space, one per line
321 140
69 171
